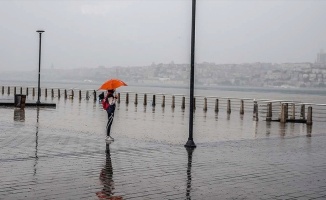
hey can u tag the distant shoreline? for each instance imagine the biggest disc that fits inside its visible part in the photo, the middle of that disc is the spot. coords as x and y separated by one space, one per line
83 85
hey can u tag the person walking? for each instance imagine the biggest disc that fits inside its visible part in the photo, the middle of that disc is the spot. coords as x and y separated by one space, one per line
109 105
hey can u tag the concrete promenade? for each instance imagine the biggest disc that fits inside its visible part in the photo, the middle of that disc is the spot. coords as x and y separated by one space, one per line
60 153
68 164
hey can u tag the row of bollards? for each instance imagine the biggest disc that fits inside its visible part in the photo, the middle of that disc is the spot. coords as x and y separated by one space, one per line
283 118
284 113
71 95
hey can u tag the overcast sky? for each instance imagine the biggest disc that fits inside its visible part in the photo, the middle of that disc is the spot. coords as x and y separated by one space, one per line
140 32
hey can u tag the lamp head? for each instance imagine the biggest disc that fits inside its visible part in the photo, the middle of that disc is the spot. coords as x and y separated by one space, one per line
40 31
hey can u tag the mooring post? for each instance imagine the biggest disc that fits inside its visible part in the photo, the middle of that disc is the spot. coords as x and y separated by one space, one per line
173 102
293 111
80 95
33 92
52 93
46 92
241 107
163 101
205 104
127 98
21 90
153 102
65 94
87 95
286 111
145 100
27 91
303 111
3 90
228 106
183 104
136 99
216 105
309 116
94 94
119 97
72 93
59 94
283 113
255 117
269 112
15 90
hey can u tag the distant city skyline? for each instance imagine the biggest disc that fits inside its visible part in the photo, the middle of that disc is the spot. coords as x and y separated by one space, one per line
88 34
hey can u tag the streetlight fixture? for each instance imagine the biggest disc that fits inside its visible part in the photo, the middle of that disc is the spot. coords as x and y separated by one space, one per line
39 68
190 143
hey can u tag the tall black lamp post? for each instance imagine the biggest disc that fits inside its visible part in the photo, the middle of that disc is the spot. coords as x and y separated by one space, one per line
190 143
39 69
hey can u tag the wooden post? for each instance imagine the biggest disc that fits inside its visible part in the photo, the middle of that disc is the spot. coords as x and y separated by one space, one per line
228 109
145 100
173 102
52 93
241 107
8 90
119 97
127 98
33 92
255 111
3 90
303 112
65 94
283 113
46 92
80 95
183 104
60 94
14 90
269 112
153 102
136 99
27 91
87 95
293 111
94 94
72 93
216 105
309 116
21 90
163 101
286 111
205 104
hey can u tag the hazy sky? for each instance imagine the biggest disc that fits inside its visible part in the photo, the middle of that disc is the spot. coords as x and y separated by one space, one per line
140 32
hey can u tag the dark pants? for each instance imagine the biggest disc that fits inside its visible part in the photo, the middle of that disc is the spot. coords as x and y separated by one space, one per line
109 124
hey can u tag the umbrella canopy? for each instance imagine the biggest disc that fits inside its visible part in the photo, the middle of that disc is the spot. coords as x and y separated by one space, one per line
112 84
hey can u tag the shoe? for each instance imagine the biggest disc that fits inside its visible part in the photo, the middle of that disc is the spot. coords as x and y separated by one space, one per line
109 138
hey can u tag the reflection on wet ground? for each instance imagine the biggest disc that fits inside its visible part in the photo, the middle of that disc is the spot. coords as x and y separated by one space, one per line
61 154
189 151
106 178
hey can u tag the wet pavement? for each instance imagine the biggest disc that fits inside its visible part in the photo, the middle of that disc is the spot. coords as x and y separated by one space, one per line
61 154
68 166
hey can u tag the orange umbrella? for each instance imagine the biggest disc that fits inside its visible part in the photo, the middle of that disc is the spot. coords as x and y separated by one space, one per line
112 84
